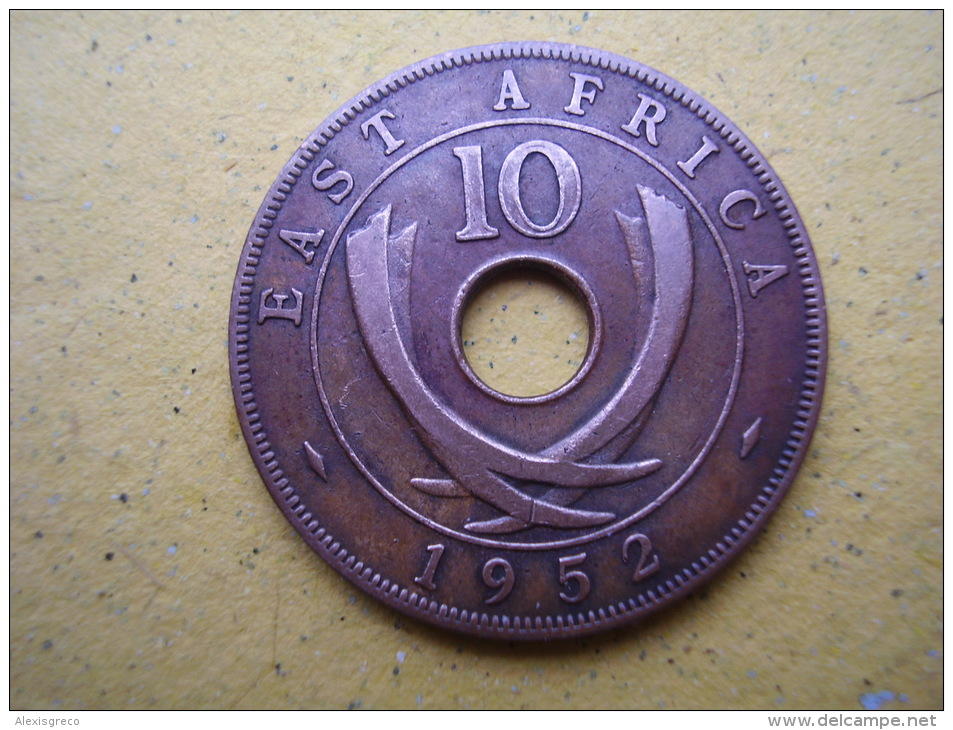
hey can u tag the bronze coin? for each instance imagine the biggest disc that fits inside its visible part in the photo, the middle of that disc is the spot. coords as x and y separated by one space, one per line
546 515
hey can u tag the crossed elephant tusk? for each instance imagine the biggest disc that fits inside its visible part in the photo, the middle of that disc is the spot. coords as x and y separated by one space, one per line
476 461
673 276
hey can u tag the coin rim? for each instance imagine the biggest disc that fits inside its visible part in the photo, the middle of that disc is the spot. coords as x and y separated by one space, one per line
570 624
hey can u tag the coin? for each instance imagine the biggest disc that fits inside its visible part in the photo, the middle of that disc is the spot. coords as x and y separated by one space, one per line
507 514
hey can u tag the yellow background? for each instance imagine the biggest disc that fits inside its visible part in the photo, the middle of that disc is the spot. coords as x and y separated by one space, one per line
149 566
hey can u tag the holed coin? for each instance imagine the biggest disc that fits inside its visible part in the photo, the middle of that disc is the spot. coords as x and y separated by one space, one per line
545 515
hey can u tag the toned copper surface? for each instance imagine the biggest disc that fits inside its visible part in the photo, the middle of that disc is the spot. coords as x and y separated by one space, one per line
553 514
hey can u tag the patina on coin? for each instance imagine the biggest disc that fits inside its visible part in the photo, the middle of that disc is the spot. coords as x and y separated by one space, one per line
557 514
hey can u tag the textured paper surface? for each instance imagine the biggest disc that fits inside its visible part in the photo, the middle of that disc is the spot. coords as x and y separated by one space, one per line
149 566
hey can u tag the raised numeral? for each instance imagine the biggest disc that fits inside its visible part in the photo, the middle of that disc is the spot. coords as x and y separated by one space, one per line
426 580
503 579
573 576
570 189
474 195
643 567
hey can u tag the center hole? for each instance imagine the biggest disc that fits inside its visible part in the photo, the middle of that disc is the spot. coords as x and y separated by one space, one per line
525 332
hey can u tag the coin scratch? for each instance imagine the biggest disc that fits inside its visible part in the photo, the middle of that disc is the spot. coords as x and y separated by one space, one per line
346 390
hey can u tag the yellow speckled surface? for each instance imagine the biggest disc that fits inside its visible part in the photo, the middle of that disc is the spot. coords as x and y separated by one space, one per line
149 566
525 333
